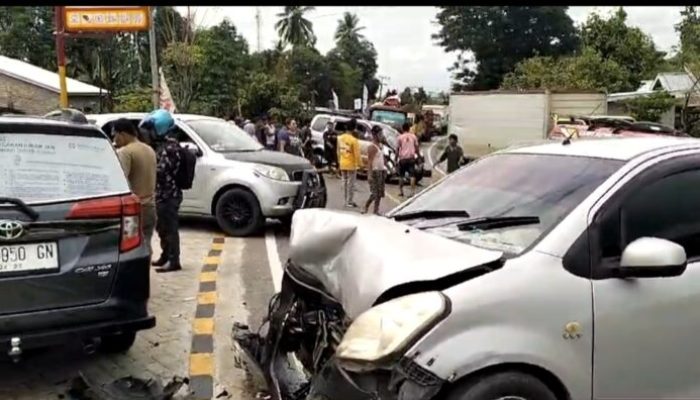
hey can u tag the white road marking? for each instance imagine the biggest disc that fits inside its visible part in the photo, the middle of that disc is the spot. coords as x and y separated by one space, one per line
273 258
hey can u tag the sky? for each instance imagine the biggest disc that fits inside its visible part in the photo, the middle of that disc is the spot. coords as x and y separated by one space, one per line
407 56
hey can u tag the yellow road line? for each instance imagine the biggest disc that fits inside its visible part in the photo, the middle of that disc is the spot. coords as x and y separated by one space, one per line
206 298
203 326
201 364
207 277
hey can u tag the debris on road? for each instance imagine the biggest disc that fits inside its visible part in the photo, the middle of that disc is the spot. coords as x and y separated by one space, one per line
127 388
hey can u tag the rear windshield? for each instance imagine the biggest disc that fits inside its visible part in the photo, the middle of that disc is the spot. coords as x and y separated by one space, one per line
38 168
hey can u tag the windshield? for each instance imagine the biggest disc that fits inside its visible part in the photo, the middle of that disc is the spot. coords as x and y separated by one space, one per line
515 185
37 168
389 117
224 137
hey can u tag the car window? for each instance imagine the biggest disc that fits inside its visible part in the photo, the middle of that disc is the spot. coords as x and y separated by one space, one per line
182 136
666 209
512 185
320 123
46 167
223 137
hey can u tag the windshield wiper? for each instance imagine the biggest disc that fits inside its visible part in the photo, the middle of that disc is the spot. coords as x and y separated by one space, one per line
431 214
485 223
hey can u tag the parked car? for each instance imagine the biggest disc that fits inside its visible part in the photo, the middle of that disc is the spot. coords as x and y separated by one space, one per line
73 263
236 179
364 127
560 271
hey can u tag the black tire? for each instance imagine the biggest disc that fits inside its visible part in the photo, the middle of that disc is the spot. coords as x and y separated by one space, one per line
117 344
502 385
238 213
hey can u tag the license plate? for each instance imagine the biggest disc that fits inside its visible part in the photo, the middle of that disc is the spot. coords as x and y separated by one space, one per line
28 257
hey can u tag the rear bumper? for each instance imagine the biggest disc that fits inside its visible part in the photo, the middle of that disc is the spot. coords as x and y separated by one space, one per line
126 310
51 337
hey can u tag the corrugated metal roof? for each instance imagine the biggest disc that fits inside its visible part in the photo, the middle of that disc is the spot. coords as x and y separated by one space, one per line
40 77
674 81
646 86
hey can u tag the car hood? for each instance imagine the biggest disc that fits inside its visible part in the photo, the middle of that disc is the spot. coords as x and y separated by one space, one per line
358 258
288 162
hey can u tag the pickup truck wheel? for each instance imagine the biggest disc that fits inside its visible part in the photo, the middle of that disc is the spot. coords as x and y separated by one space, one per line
114 344
502 386
238 213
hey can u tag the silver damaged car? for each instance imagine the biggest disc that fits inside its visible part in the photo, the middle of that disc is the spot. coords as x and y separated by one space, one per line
555 271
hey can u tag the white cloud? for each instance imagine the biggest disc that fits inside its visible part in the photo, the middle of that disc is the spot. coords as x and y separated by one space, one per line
402 35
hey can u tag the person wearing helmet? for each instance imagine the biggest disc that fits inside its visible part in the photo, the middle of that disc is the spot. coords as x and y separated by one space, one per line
159 125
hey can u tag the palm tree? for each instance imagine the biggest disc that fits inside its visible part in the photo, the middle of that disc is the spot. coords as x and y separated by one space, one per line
348 28
293 28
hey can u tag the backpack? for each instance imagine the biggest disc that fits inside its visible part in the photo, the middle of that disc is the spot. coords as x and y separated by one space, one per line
185 174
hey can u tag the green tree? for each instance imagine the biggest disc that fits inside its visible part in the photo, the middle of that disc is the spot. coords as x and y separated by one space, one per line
26 33
225 63
500 37
587 71
406 96
357 52
293 28
652 107
265 94
420 97
349 28
628 46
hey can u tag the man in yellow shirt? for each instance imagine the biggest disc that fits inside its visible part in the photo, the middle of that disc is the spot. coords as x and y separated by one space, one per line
349 161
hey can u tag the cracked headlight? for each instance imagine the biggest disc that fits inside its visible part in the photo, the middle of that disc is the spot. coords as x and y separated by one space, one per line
271 172
385 332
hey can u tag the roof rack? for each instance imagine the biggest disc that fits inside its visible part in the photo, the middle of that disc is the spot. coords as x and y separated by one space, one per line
68 115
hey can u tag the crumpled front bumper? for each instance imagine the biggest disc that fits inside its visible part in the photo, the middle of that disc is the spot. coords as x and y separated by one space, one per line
312 192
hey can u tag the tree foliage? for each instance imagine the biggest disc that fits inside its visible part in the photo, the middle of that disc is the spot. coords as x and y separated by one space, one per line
500 37
652 107
588 71
628 46
208 70
294 29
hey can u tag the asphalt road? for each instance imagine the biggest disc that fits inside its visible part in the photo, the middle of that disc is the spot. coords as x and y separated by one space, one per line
243 271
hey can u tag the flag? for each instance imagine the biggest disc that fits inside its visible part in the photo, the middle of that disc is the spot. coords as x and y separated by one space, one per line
365 95
166 100
335 100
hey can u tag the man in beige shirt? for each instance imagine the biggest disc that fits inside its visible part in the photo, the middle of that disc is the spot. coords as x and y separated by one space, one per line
139 163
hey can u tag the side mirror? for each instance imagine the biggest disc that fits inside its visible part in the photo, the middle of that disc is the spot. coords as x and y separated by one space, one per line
650 257
193 148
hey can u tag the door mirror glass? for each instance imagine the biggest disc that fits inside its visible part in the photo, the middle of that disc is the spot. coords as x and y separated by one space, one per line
652 257
193 148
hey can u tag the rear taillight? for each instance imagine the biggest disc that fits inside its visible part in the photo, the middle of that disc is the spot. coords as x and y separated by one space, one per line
128 208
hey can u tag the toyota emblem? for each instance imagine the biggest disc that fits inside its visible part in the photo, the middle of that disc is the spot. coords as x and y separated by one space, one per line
10 230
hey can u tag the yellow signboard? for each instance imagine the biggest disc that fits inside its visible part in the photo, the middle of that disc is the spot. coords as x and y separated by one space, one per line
106 19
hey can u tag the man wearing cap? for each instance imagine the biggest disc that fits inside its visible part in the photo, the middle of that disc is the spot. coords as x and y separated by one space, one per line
168 193
139 163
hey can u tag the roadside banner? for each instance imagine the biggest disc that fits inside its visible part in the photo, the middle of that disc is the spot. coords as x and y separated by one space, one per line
365 96
166 100
335 100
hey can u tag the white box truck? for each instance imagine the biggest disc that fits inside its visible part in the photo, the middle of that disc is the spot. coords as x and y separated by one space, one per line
486 121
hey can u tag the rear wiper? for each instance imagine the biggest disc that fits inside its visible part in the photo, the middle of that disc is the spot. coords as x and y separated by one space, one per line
486 223
431 214
22 206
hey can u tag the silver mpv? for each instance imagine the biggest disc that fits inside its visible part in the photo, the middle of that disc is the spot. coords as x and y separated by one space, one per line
558 271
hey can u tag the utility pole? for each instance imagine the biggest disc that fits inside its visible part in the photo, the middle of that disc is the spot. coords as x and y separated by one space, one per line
258 22
382 81
61 55
155 87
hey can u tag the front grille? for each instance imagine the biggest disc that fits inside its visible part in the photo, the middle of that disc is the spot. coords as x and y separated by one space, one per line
298 176
418 374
